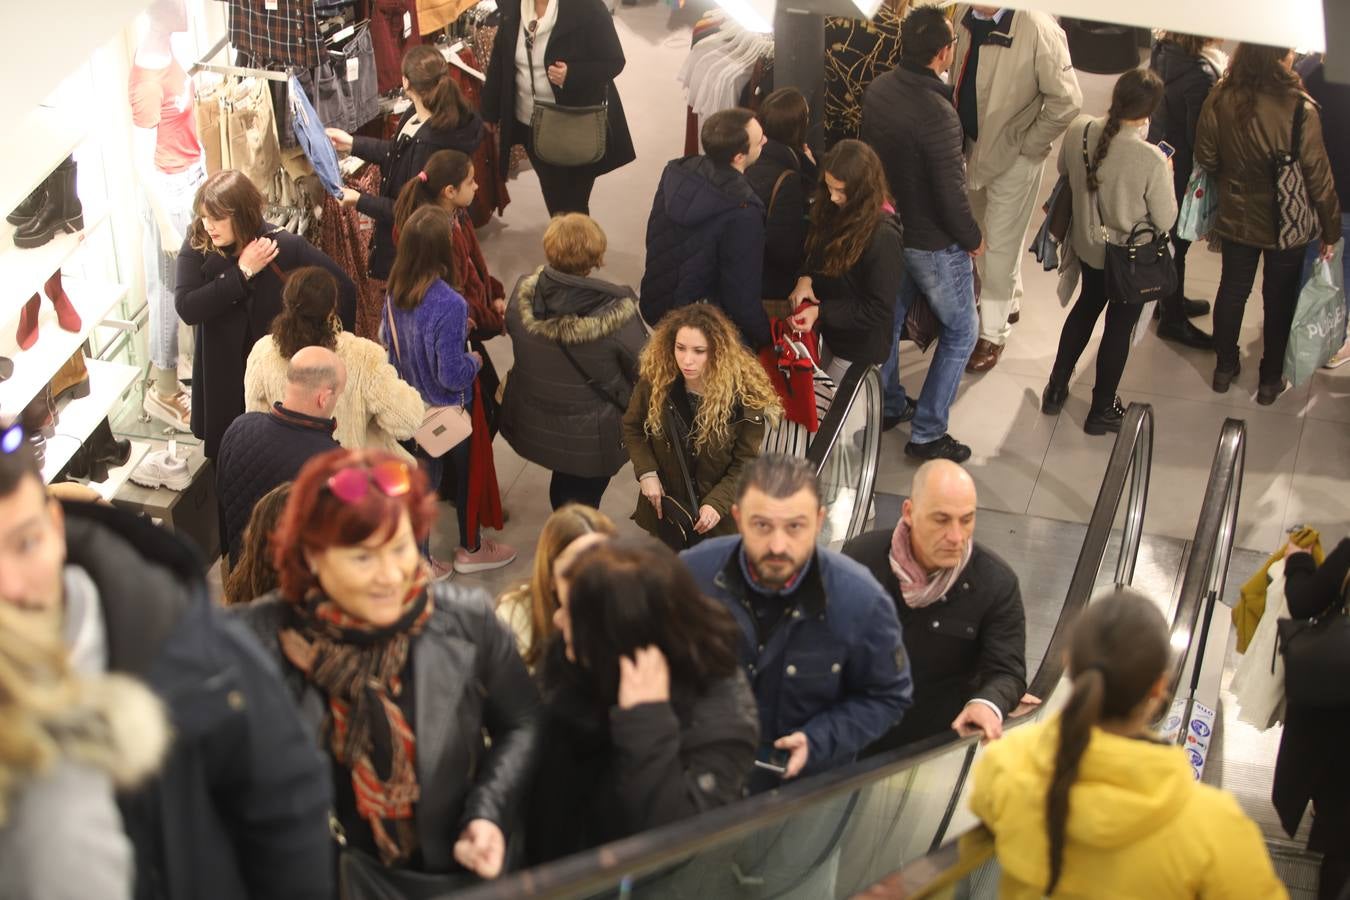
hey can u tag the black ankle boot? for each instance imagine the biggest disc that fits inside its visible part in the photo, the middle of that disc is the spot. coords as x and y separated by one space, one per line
60 209
1054 395
103 447
29 207
1100 421
1183 331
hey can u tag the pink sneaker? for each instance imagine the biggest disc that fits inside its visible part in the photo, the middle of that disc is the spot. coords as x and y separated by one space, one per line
440 569
489 555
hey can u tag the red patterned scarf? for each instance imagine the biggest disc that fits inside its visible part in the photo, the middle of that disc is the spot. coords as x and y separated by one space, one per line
359 668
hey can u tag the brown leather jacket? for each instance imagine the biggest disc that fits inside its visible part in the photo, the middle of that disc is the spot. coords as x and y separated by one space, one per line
1239 151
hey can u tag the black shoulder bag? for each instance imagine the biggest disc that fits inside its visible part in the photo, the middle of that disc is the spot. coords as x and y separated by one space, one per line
1141 269
1317 656
675 528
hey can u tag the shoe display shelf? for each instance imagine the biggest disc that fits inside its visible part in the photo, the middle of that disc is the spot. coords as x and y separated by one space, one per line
76 420
24 272
47 138
108 488
34 367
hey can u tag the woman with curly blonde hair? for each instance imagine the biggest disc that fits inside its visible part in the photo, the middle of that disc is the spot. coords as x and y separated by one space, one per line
696 379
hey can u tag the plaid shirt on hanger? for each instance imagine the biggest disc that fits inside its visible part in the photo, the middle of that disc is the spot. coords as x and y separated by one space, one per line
276 32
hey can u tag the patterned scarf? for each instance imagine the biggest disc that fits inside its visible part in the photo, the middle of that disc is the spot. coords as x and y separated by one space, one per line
918 587
359 668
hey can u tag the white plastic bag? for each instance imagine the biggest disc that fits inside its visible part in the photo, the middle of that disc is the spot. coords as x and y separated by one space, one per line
1318 329
1258 681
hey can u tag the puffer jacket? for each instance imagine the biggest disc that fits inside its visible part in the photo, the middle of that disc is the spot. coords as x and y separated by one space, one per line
467 676
785 218
705 241
909 119
550 414
376 409
1187 81
715 471
1139 823
1026 91
1238 150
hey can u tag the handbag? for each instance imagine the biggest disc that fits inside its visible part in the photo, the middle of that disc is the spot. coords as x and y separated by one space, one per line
1138 271
443 428
1317 659
362 877
791 362
1199 208
1058 216
567 135
1295 223
675 528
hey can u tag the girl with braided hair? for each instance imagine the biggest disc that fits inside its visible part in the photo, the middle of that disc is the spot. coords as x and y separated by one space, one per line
1089 803
1119 180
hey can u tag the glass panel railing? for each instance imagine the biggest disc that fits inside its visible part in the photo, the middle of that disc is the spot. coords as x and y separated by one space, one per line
845 450
839 832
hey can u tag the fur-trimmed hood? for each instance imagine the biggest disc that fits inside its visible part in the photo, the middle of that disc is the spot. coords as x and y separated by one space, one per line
571 309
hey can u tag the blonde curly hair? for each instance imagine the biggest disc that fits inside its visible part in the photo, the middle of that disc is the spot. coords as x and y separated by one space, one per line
733 376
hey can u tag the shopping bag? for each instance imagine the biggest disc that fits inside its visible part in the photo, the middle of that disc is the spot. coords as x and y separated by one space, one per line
1319 320
1258 681
792 361
1198 208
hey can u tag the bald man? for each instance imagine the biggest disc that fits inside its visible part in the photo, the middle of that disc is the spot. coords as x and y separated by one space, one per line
960 610
262 450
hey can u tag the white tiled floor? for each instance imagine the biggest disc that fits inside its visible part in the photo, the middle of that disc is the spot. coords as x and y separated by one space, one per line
1298 460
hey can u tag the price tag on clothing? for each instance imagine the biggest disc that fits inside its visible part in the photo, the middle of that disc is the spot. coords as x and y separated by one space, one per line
353 68
407 24
270 5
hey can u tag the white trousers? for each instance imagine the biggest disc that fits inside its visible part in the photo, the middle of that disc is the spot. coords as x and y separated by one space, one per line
1003 209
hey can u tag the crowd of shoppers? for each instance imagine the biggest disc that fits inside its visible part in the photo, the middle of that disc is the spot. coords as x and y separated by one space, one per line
405 731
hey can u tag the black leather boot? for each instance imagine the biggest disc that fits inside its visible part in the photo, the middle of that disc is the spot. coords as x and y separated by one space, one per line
29 207
60 209
106 449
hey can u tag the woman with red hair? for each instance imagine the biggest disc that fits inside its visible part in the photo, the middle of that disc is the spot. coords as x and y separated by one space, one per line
400 675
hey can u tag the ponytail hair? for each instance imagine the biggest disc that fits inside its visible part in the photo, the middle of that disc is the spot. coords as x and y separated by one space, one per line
429 75
443 169
1119 649
1136 95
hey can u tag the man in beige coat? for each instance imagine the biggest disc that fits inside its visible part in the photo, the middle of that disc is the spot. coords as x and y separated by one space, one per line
1016 92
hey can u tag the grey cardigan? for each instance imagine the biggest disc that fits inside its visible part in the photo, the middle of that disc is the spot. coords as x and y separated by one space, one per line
1136 185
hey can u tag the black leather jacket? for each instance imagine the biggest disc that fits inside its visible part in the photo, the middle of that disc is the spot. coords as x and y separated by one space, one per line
467 676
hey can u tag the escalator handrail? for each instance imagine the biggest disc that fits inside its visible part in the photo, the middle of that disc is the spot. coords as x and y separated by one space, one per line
1212 547
829 430
1206 572
598 868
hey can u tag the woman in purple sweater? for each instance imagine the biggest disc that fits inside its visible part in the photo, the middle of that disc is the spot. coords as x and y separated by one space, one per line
425 328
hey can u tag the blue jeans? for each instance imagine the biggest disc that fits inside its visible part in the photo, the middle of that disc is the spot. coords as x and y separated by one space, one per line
315 144
945 277
175 192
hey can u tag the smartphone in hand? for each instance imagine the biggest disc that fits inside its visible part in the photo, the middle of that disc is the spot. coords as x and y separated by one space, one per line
1167 149
776 763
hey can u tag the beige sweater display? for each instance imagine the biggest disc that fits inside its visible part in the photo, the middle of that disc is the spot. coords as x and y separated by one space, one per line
1136 186
376 410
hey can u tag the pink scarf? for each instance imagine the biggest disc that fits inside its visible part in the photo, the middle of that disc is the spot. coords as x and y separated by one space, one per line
920 588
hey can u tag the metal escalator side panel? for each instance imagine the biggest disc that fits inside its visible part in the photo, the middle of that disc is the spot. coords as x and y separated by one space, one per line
845 453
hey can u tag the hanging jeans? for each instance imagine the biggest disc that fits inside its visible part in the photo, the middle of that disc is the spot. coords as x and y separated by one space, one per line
175 192
315 144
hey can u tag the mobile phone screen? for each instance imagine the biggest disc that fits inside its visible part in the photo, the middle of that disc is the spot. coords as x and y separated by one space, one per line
1167 149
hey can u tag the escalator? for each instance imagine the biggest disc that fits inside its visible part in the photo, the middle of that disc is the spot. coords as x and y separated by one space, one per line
843 831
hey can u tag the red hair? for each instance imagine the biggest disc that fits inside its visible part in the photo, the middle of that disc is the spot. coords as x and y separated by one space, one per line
315 520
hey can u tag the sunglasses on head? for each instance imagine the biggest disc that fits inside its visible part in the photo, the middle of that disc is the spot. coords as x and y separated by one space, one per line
352 485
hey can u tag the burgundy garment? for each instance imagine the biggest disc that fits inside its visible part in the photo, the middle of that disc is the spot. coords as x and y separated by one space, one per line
346 240
488 170
387 28
690 132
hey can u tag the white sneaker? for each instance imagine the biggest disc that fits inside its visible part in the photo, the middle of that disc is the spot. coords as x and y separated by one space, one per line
1340 357
175 411
161 469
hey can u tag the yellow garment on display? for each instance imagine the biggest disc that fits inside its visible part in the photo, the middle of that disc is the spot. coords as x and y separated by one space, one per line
1252 602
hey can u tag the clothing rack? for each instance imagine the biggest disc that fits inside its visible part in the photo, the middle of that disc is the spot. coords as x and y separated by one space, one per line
204 65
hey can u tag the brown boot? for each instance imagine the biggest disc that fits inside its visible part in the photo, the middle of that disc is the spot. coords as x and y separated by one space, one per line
71 381
985 356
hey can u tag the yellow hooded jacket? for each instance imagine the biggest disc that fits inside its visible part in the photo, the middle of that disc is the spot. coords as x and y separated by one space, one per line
1140 826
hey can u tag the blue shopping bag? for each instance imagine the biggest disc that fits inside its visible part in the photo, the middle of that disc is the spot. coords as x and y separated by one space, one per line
1319 320
1198 208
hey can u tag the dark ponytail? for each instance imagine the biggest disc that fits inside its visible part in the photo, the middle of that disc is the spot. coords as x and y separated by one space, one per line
429 75
1136 95
443 169
1119 649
